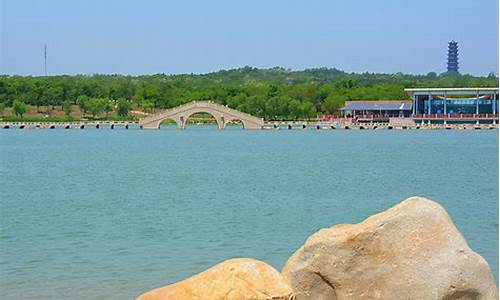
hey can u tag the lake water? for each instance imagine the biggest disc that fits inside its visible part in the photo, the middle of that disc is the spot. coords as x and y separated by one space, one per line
109 214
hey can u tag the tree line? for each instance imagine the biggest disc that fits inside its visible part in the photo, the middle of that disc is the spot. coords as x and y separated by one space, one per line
88 106
274 93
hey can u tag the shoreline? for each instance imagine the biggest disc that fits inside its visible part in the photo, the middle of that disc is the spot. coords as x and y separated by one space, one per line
278 125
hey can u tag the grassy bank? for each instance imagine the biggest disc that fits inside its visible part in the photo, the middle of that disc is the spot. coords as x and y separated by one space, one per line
63 120
56 114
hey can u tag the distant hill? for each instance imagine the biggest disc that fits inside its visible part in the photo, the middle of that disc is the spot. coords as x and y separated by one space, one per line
279 75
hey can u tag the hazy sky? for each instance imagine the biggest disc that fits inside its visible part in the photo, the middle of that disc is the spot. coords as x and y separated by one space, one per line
190 36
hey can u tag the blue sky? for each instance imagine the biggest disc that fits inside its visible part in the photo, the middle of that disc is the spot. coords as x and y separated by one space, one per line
190 36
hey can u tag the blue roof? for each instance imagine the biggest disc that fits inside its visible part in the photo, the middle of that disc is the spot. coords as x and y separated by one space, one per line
377 105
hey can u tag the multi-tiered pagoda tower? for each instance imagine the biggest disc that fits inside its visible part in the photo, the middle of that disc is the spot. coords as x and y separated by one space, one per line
453 57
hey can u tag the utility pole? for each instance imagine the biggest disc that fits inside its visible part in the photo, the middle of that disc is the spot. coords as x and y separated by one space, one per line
45 58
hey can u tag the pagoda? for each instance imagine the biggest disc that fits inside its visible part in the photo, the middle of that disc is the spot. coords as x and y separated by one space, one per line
452 57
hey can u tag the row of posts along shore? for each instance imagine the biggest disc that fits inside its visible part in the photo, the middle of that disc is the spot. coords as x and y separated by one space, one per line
271 125
70 125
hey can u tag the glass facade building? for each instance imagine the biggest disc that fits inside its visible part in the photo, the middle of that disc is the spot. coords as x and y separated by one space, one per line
454 104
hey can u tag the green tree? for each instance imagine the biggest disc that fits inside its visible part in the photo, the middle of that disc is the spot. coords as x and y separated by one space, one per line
137 100
308 110
83 102
332 104
277 107
67 108
53 96
2 108
148 106
294 109
96 106
431 75
122 107
19 108
107 106
39 91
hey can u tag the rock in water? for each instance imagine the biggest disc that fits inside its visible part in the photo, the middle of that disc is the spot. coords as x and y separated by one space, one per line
411 251
233 279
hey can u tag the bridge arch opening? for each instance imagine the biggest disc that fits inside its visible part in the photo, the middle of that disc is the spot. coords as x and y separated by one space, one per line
201 117
234 123
168 123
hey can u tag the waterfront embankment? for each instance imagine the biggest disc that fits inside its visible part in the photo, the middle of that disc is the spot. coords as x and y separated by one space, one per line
272 125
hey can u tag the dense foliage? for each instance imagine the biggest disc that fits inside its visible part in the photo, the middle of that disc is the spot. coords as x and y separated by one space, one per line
274 93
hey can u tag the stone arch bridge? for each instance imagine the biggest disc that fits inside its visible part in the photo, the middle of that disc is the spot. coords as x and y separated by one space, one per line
221 113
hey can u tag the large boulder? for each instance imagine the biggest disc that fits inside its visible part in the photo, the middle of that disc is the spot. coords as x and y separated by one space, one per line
232 279
411 251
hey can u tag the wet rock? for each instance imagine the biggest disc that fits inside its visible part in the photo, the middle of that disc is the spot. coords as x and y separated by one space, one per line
411 251
232 279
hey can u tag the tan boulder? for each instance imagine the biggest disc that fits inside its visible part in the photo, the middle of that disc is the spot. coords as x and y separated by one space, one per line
241 278
411 251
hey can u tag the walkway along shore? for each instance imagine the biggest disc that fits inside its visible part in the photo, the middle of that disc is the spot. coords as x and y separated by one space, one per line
272 125
69 125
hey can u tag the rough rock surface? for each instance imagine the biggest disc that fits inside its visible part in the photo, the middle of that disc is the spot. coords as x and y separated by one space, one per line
241 278
411 251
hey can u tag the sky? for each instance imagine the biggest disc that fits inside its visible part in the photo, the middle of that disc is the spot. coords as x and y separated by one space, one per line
195 36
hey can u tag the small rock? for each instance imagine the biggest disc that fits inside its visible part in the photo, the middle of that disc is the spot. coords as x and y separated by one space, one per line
411 251
233 279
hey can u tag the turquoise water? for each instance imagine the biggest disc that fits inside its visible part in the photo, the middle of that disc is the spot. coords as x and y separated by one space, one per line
108 214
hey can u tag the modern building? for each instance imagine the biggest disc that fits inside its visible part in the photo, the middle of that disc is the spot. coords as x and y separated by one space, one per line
452 65
377 110
430 106
454 105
